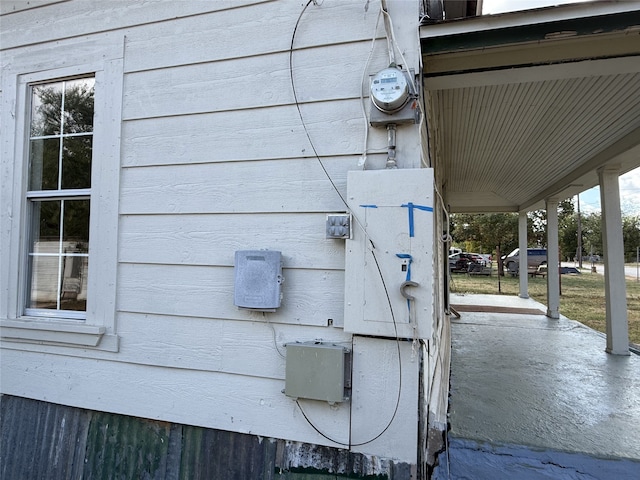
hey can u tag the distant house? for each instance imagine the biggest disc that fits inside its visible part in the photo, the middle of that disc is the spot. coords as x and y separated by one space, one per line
210 219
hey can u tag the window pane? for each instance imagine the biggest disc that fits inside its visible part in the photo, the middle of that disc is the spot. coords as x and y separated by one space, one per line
46 226
46 109
44 282
76 162
73 290
78 106
60 157
76 226
43 162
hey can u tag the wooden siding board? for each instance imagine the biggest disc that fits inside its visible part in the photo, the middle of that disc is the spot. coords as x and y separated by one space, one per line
207 239
223 35
207 344
13 6
319 74
208 292
235 347
227 158
92 50
237 187
85 17
254 134
228 402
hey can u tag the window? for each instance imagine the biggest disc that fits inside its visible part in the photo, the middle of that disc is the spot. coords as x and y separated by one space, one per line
60 151
58 197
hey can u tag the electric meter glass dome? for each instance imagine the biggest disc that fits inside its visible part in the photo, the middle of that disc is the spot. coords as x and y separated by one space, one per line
389 90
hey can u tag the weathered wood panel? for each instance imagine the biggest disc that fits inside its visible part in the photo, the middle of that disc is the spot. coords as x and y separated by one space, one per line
205 239
310 297
237 187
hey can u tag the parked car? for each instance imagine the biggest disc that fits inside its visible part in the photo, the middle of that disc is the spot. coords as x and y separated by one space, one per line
535 256
460 262
486 257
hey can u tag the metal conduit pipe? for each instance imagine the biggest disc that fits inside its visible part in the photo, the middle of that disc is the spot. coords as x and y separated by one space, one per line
391 142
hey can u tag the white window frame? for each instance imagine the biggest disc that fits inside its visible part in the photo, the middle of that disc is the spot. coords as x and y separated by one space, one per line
98 329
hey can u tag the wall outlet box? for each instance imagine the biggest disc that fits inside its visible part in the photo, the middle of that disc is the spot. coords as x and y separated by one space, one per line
338 225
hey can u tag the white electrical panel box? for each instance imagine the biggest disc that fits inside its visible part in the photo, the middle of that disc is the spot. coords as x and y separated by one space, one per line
258 279
389 259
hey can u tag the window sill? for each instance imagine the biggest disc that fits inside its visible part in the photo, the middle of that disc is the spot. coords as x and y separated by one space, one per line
53 332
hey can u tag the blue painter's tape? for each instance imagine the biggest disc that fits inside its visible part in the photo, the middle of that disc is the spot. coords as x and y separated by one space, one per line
411 206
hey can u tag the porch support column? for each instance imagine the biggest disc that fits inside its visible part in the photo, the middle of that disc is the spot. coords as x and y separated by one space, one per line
615 288
522 245
553 257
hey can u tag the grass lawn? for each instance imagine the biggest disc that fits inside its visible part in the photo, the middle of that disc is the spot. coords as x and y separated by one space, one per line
581 299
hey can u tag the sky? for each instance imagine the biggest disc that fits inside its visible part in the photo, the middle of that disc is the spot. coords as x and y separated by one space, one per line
629 195
590 199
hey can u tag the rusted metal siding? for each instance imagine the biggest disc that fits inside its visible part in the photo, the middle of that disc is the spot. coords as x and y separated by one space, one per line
41 440
44 441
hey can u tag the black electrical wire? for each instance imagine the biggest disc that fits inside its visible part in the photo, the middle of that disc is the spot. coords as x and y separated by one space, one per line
395 410
395 326
295 98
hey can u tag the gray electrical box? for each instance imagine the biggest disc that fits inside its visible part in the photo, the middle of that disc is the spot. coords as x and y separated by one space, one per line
258 279
318 371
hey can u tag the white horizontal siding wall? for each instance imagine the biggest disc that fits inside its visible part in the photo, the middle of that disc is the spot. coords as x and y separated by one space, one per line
215 158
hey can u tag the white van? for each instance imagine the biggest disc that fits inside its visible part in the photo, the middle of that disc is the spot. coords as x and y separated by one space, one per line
535 256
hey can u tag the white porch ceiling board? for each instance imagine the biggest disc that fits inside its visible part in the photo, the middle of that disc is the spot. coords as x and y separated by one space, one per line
511 139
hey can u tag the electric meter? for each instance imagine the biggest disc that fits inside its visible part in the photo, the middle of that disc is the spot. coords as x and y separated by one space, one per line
389 90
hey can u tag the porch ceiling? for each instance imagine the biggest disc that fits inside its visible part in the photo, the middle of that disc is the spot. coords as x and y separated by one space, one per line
526 106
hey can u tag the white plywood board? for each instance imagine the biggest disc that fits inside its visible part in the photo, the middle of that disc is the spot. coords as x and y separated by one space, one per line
382 230
385 398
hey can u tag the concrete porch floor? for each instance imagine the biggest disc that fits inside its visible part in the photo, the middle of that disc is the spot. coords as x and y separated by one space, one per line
535 398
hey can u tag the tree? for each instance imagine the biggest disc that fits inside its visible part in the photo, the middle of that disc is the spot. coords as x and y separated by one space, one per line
631 237
483 232
592 234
